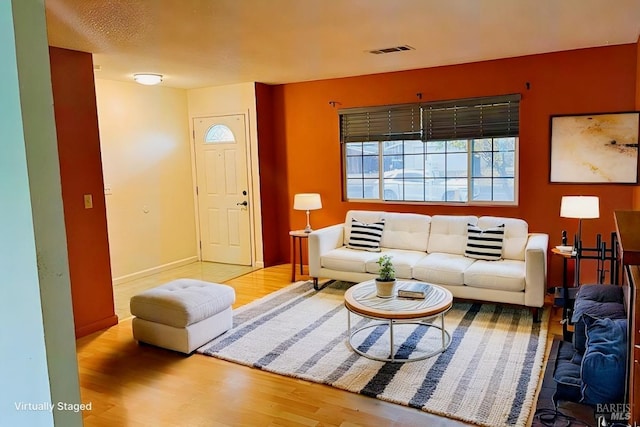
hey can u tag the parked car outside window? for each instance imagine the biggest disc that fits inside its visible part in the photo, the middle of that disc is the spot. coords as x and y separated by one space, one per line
418 185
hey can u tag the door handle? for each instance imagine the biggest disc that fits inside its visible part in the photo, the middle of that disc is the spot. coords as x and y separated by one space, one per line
245 203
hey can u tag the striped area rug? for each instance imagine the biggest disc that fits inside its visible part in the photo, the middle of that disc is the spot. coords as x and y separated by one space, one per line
487 376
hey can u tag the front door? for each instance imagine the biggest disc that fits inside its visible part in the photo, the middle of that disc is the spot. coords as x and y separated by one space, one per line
222 189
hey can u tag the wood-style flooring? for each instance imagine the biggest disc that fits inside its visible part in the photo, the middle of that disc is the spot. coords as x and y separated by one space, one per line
138 385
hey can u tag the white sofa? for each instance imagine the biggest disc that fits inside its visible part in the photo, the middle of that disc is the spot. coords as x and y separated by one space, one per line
432 249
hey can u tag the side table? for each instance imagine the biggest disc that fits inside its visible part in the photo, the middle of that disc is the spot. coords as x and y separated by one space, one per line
567 297
296 235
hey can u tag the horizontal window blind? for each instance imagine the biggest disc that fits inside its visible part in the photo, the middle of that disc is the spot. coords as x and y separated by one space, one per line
390 123
489 117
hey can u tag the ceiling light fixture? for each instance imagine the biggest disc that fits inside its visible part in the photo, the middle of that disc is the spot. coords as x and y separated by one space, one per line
147 79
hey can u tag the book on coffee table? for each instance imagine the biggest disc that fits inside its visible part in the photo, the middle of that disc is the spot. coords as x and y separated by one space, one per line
414 290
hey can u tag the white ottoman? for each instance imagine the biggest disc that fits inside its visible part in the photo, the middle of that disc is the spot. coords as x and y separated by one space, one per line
183 314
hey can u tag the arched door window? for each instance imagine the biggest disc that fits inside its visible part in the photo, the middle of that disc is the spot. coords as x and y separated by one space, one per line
219 134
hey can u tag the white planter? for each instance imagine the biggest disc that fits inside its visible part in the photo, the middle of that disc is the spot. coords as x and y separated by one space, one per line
385 289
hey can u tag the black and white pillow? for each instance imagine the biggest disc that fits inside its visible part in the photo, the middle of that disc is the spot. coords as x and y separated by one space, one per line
484 244
366 237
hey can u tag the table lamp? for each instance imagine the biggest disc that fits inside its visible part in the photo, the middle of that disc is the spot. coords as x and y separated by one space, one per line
307 202
581 207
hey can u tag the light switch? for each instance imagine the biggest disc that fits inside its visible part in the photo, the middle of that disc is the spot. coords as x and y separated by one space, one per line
88 201
107 190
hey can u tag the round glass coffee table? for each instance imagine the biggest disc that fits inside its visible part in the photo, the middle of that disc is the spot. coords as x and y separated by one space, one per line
361 299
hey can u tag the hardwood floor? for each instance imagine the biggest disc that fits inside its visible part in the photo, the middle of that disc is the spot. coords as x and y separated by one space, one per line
137 385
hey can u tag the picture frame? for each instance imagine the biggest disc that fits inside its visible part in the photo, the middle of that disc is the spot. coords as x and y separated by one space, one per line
599 148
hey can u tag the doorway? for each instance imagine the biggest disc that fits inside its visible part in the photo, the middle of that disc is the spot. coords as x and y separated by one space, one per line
222 189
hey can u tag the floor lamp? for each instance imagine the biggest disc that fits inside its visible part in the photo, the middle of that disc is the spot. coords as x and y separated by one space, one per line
580 207
307 202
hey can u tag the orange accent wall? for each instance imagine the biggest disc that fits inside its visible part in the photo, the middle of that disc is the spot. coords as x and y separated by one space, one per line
76 119
638 74
636 193
580 81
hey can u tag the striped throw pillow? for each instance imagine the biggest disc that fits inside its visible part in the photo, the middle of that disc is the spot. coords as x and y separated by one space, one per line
484 244
366 237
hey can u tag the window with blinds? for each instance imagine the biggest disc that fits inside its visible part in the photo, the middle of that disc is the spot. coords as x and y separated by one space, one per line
392 123
457 151
495 117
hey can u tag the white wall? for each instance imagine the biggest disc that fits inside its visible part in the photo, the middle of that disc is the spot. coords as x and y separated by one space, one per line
236 99
37 342
146 157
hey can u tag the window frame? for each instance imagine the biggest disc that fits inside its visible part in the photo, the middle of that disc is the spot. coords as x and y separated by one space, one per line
497 126
210 136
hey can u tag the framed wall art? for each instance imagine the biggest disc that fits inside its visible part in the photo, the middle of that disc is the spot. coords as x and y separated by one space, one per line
595 148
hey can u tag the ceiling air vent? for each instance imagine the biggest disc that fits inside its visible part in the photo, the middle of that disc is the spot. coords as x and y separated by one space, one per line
391 49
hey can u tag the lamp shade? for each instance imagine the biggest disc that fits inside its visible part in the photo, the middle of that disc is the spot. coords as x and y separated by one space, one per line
307 202
580 207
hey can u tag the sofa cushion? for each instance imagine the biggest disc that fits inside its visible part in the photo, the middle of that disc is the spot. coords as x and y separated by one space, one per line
441 268
484 243
600 310
403 261
366 236
449 234
345 259
567 374
598 301
503 275
600 293
406 231
604 363
516 235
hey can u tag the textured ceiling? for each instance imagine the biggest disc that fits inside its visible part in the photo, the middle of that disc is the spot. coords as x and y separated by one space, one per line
198 43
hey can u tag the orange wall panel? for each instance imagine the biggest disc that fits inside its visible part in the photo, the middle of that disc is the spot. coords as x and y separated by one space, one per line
638 74
273 174
81 173
636 192
570 82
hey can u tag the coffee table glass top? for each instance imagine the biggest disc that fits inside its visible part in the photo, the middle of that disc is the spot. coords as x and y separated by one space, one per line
362 298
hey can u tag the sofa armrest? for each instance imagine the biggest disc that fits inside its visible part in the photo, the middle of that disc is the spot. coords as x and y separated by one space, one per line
322 241
535 259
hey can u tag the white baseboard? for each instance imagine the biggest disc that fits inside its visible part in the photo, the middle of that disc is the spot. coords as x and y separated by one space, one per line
154 270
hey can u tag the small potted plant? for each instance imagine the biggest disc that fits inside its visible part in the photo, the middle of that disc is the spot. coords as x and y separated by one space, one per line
386 279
